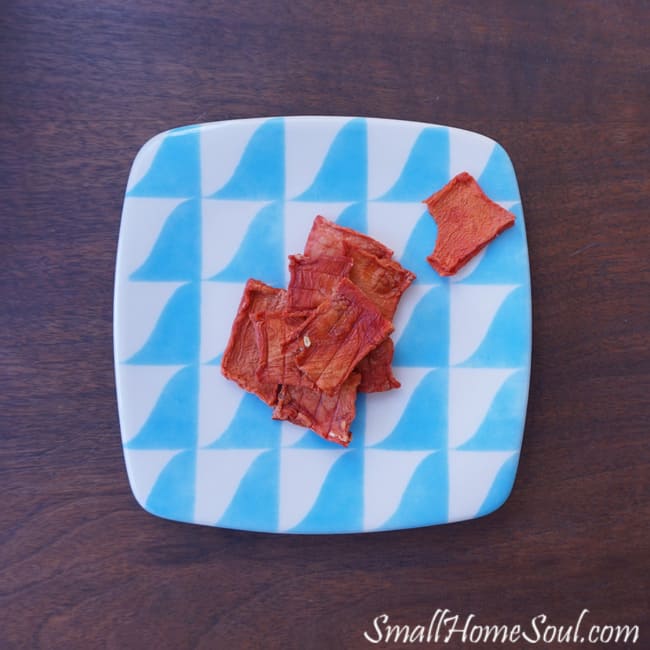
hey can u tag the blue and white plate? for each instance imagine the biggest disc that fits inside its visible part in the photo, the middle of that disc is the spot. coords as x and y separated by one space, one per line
208 207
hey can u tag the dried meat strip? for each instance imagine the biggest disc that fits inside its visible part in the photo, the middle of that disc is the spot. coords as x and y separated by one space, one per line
467 222
376 369
383 280
241 358
328 238
277 363
312 279
338 334
329 416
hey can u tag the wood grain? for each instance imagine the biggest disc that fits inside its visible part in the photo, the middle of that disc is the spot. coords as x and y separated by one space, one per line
563 86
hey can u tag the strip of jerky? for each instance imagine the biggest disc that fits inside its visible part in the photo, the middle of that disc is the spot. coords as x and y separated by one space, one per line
384 281
328 238
329 416
314 278
338 334
467 222
277 362
241 359
376 369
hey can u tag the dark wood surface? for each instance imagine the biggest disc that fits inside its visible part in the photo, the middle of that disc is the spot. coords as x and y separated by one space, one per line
563 86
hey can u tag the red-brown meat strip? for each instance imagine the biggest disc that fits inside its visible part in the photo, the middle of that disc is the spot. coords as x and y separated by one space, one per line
467 222
329 416
376 369
328 238
338 334
240 358
314 278
383 280
277 362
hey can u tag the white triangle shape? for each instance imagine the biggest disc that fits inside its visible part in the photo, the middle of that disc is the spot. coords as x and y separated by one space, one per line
219 305
144 159
219 473
138 391
392 223
292 433
224 226
138 307
144 467
142 223
302 474
222 147
307 143
471 393
386 476
389 144
219 400
468 152
384 410
472 309
471 475
409 301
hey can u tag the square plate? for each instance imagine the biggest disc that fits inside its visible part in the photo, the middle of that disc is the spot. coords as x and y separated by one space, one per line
208 207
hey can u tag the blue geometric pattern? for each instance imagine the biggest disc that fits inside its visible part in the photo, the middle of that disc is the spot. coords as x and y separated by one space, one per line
206 209
265 235
177 253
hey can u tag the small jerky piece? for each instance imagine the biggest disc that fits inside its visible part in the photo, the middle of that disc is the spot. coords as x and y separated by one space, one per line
467 222
383 280
376 371
241 358
329 416
277 362
341 331
313 278
328 238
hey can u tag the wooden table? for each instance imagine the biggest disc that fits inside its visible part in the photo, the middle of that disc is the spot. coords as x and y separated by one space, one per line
563 86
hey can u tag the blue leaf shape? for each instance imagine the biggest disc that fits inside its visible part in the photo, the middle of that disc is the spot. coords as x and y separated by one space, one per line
498 179
261 253
507 342
172 423
172 496
175 338
502 428
176 255
354 216
427 167
423 424
506 258
419 245
175 171
501 487
426 497
255 504
339 505
250 428
344 173
259 176
425 341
